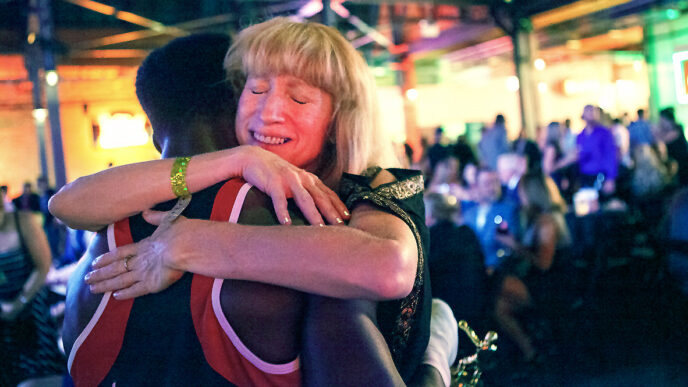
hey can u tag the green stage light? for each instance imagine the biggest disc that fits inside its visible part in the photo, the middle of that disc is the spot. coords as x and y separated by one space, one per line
672 14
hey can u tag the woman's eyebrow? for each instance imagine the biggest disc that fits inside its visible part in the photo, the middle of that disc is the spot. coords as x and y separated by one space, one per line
295 82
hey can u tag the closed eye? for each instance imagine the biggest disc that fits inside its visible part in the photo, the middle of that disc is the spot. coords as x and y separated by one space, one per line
298 101
257 91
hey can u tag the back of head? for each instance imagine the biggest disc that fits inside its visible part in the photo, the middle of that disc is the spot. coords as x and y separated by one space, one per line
510 165
184 81
439 132
321 56
668 114
440 207
553 132
541 193
446 170
499 120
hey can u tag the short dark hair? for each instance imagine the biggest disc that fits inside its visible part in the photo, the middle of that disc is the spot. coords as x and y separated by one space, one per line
668 114
185 79
500 119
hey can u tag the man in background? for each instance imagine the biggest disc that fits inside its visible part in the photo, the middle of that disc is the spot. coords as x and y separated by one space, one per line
493 143
492 213
28 200
597 155
640 131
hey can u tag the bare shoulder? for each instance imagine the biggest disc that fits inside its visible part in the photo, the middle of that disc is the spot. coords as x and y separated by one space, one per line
384 177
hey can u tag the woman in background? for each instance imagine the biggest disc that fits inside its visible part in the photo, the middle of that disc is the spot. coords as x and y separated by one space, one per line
526 278
28 333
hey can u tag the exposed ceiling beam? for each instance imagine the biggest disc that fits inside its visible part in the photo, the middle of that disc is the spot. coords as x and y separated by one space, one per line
110 54
142 34
573 11
126 16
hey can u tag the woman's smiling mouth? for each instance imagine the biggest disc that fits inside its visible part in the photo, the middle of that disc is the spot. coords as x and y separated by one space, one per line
268 139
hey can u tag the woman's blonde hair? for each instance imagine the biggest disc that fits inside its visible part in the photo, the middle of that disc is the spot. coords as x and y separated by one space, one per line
541 192
543 197
323 58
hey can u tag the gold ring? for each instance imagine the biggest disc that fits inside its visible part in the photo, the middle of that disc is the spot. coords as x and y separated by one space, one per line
126 262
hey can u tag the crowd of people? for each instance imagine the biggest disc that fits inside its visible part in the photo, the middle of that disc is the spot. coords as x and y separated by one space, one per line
517 200
351 302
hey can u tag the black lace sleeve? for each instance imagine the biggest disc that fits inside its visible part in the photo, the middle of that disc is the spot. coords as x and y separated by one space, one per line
404 323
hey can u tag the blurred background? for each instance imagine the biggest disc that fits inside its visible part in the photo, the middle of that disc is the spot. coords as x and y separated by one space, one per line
478 94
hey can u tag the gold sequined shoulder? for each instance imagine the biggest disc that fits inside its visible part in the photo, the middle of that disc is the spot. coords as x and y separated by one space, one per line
402 189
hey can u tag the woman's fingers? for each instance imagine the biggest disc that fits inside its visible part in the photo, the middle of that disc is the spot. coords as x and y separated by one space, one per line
116 255
106 272
280 180
335 200
116 283
304 198
136 290
279 203
329 204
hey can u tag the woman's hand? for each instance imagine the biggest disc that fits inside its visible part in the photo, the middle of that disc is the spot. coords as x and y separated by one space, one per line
140 268
280 180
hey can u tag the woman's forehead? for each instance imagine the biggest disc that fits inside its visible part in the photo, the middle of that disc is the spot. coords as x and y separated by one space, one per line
292 80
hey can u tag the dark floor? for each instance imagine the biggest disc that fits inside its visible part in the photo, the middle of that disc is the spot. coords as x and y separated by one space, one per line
630 328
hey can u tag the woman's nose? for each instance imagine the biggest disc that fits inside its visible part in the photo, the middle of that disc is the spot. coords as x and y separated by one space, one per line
273 107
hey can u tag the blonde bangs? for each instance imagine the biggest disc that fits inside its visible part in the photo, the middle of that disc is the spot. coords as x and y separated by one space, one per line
298 50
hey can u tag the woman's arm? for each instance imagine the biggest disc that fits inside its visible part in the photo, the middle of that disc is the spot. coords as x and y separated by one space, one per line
374 258
548 160
566 161
39 250
547 242
92 202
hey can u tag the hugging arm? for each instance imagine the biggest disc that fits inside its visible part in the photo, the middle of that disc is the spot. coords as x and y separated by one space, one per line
92 202
374 258
343 340
343 346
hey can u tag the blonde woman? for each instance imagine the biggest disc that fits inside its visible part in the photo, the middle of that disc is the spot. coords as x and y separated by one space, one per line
526 279
307 113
